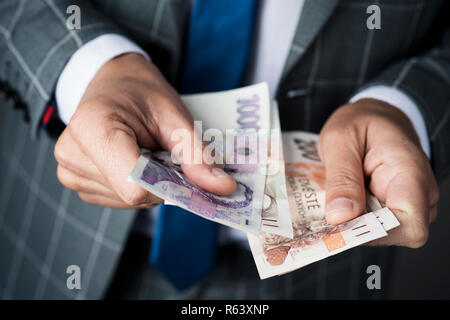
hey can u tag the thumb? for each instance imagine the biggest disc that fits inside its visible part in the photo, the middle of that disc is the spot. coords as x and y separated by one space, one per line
179 136
345 195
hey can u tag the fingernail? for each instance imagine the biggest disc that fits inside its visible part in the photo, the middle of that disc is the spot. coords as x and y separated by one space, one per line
218 172
339 205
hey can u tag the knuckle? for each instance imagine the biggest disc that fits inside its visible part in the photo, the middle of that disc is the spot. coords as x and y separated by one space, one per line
83 196
117 132
83 119
343 130
61 176
75 185
435 193
433 215
417 235
135 197
68 180
338 125
60 154
155 200
86 198
75 125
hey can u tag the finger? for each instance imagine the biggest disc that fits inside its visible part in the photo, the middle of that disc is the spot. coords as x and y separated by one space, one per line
434 188
433 213
407 196
402 178
80 184
68 154
398 235
114 203
177 134
393 237
342 154
112 146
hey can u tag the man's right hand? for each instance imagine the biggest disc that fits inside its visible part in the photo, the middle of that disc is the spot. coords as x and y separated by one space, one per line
128 105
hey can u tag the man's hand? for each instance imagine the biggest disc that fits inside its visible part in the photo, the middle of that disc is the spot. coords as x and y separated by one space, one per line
374 141
127 105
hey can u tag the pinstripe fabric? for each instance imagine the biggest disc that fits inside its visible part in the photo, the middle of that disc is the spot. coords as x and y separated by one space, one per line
236 277
44 228
314 15
404 54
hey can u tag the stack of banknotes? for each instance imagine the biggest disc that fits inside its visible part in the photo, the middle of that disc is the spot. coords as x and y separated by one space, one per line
280 196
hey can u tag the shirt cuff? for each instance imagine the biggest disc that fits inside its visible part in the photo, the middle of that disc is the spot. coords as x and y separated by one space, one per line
82 67
401 101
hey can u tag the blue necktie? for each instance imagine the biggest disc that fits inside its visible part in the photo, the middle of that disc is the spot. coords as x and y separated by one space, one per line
218 50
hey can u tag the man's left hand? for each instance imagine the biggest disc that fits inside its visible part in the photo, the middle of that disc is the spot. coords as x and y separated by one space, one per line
372 141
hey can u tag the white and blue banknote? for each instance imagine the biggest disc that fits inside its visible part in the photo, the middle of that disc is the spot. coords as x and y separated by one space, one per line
239 121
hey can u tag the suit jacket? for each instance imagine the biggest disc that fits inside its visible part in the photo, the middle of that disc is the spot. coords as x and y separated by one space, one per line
44 227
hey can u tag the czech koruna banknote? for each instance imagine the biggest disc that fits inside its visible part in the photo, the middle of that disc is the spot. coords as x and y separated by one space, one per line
280 195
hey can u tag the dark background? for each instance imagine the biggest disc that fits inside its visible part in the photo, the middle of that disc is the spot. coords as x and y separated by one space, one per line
422 273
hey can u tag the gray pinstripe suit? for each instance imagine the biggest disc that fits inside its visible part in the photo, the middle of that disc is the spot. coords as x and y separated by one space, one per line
44 228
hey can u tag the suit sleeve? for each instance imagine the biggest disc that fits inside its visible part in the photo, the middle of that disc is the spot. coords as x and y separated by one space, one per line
426 79
35 45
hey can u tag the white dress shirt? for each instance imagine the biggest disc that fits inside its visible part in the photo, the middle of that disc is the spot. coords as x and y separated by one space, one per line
275 31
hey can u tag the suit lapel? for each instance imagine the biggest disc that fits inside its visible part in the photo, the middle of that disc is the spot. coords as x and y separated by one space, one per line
313 17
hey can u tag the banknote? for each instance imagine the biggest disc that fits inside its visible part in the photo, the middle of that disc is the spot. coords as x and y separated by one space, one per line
230 117
313 238
276 215
383 214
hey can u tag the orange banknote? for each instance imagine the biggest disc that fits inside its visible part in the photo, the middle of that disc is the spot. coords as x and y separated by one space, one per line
313 238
